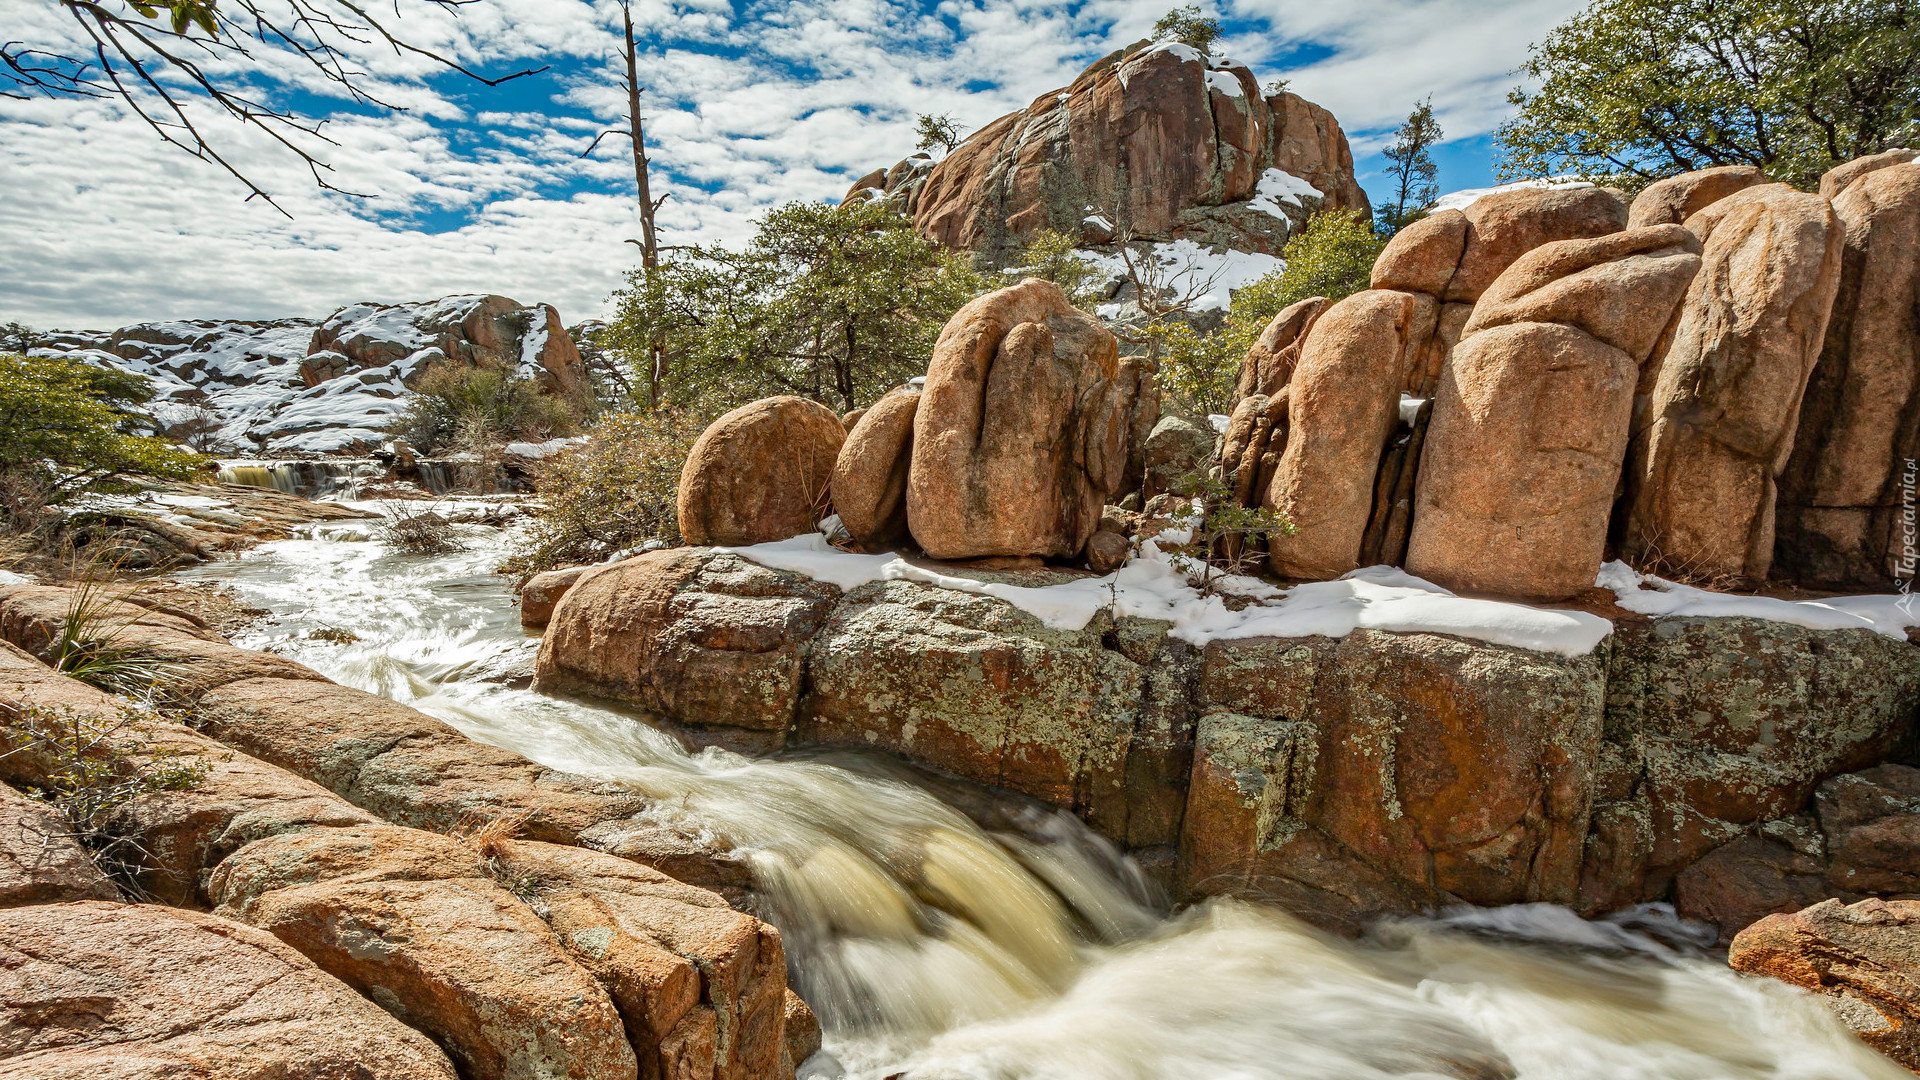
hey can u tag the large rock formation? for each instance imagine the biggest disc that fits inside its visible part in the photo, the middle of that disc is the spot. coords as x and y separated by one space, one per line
1840 501
1726 400
1530 426
759 473
1021 432
870 475
1673 200
1175 142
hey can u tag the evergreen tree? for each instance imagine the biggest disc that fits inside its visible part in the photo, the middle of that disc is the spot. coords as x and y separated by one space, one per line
1413 170
1186 25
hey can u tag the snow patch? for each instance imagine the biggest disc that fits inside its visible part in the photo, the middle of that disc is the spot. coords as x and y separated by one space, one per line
1154 585
1219 422
1889 614
1188 266
8 577
1223 82
1277 186
1460 200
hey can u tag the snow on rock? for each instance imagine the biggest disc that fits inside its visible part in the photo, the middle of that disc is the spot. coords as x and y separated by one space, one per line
304 386
8 577
1223 82
1888 613
1277 186
1189 267
1460 200
1156 585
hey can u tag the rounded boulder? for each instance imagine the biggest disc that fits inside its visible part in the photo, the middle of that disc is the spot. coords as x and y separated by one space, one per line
759 473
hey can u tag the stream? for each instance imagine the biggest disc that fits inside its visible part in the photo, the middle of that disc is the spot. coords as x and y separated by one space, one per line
934 948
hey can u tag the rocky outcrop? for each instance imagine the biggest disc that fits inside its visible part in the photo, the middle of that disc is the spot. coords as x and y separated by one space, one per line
1531 421
1863 957
1506 225
332 385
1839 497
1021 432
1177 450
1175 142
1275 353
93 990
870 475
759 473
1726 400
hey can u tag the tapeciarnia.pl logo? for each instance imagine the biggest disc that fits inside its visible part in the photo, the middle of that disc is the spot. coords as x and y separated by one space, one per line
1908 546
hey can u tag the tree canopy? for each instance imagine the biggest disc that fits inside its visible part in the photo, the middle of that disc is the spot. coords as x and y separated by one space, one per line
833 303
71 427
1188 26
1412 171
1634 90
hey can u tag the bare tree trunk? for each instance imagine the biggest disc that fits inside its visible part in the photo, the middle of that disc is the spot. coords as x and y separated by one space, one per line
649 245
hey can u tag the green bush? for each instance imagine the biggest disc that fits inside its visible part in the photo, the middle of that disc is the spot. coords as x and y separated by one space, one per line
67 426
615 492
465 408
1052 255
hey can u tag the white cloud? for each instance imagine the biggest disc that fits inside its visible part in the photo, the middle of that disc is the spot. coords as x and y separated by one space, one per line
749 106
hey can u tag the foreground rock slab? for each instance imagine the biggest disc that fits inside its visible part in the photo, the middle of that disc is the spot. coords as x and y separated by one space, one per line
92 991
1864 957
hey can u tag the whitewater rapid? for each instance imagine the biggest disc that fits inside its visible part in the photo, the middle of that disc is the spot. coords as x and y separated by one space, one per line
933 948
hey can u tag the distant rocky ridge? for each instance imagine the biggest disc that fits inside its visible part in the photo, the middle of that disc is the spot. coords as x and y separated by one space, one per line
1174 143
289 387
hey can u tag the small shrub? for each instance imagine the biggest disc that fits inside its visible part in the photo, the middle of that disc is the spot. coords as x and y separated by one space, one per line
615 492
1052 255
90 644
91 767
1199 370
419 531
1231 538
465 408
1188 26
1332 257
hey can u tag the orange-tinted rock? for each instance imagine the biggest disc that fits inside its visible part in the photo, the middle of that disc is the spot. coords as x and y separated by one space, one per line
542 591
94 990
1837 178
1673 200
40 862
1181 141
1021 431
703 638
1517 477
1863 956
1622 288
1506 225
1344 397
1839 500
870 475
1423 256
759 473
1738 884
1726 403
1270 361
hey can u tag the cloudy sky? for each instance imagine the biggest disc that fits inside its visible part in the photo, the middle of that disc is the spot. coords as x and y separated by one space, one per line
478 189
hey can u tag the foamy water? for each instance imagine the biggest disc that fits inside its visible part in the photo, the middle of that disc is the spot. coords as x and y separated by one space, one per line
931 947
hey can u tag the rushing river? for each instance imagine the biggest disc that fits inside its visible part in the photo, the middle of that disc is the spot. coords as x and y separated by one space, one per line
933 948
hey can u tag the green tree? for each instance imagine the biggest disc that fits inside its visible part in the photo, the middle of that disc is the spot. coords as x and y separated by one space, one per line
70 426
1634 90
1054 255
833 303
941 132
1413 171
1187 25
471 409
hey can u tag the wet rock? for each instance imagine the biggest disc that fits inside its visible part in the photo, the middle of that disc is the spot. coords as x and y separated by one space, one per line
1343 401
40 862
1021 432
870 475
759 473
207 997
1726 402
702 637
543 591
977 688
1839 495
1673 200
1864 958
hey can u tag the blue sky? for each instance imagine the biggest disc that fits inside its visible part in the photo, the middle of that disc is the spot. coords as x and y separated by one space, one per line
751 104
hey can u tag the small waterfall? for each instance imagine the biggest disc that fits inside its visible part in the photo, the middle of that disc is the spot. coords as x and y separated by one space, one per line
310 479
